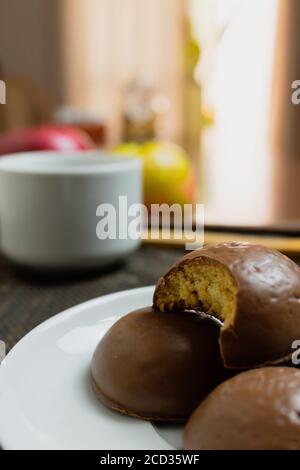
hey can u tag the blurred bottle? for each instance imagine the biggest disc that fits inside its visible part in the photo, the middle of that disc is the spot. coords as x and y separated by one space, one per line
144 108
86 120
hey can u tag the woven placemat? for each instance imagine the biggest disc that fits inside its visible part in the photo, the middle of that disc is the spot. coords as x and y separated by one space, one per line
27 298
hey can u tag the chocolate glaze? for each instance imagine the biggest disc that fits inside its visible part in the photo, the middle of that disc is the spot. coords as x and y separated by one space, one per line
267 317
255 410
158 366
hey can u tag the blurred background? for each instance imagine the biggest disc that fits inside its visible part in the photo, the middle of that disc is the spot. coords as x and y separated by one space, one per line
139 76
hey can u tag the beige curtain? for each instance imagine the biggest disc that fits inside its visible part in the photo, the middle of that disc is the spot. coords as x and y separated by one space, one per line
109 43
86 52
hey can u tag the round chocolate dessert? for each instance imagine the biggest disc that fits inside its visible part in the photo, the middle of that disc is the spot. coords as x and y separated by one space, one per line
255 410
158 366
253 290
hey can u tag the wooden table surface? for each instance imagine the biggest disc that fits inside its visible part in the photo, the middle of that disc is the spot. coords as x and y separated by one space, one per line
27 299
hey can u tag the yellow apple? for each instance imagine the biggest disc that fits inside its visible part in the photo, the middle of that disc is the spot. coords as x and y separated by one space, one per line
168 173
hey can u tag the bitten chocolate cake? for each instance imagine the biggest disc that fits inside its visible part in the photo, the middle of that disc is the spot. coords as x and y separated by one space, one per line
253 290
255 410
158 366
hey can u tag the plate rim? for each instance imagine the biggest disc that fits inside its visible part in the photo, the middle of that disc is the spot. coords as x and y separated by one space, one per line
58 318
72 311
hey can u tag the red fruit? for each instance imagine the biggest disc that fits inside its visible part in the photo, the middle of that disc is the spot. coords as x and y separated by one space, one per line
44 138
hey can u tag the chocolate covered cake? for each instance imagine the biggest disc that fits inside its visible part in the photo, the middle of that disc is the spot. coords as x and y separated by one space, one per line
255 410
253 290
158 366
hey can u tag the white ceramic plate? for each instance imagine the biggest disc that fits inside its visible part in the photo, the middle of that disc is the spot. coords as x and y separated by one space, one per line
45 396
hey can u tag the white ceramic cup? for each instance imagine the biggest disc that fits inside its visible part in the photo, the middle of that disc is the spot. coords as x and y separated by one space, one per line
48 204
